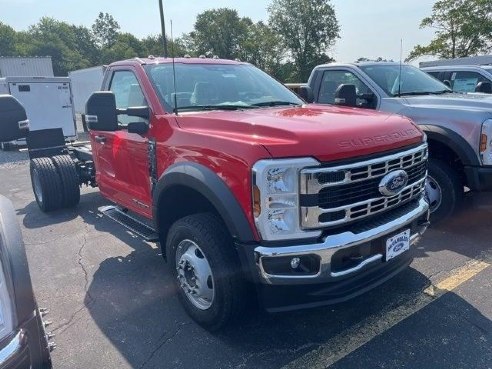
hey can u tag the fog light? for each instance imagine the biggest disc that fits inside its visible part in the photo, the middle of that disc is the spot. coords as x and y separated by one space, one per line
294 263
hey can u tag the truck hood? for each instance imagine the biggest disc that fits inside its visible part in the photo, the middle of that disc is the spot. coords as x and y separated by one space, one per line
461 113
453 101
326 133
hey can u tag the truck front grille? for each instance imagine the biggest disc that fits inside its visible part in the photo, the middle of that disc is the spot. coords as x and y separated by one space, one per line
341 194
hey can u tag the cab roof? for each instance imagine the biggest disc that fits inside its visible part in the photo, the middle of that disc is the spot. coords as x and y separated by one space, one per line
161 60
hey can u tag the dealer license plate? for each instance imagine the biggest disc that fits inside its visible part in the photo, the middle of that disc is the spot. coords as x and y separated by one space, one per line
397 244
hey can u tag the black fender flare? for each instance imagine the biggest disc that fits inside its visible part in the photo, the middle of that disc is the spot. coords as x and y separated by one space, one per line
454 141
14 263
207 183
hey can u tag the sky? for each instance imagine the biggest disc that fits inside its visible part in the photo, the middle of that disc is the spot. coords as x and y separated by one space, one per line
369 28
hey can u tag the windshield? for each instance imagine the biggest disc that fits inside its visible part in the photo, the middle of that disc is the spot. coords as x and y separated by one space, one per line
488 69
217 86
413 80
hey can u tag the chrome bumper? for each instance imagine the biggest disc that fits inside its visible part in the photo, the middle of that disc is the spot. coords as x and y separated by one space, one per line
334 243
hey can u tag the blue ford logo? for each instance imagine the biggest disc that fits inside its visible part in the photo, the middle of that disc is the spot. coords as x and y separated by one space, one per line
393 183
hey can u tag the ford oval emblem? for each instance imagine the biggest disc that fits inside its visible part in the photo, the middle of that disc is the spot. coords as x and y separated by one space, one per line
393 183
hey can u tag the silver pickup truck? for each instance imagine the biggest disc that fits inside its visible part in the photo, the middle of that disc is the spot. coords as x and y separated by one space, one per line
458 126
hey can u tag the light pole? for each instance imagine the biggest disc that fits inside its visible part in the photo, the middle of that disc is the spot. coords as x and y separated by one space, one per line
163 27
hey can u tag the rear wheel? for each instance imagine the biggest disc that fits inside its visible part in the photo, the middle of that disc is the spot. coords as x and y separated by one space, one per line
70 179
46 184
206 270
443 190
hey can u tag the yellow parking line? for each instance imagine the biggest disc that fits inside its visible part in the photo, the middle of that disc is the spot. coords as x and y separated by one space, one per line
358 335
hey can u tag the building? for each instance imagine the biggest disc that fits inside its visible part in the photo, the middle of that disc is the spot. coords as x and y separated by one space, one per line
39 66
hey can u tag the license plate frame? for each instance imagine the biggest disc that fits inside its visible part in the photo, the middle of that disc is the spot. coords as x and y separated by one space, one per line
397 244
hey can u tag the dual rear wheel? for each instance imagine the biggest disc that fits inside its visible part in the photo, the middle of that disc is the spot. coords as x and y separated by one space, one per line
55 182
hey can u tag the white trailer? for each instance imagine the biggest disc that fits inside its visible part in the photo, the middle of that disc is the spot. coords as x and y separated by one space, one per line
47 100
84 83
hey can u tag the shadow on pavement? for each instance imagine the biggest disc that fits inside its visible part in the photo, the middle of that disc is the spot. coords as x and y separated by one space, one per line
134 304
468 232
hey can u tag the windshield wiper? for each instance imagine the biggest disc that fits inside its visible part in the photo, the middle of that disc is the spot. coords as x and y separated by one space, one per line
420 93
441 92
276 103
210 107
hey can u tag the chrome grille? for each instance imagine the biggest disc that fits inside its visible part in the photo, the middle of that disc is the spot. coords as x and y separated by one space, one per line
341 194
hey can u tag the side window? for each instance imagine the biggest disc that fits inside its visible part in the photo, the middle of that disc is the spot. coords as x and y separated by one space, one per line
466 81
436 75
332 79
128 93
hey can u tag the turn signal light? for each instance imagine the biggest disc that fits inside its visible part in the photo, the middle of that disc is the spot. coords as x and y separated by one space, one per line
256 201
483 142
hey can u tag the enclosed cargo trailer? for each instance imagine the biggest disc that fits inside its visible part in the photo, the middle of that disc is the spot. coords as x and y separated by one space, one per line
47 100
84 83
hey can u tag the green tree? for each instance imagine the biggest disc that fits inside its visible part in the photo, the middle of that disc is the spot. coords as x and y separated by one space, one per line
58 40
308 28
221 32
263 48
105 30
463 28
8 38
153 45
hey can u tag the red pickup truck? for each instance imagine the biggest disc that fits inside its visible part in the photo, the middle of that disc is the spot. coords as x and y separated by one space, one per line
245 187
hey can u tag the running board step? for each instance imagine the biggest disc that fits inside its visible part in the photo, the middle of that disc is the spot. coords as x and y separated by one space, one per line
132 224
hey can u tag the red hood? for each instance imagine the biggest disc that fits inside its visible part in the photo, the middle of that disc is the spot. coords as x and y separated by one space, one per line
327 133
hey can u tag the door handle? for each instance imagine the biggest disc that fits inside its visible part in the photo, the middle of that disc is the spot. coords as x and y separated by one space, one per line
100 139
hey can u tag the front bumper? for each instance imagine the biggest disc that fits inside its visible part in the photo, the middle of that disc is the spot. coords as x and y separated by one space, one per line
331 283
15 353
479 178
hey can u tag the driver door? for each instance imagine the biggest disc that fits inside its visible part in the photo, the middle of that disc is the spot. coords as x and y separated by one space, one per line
121 157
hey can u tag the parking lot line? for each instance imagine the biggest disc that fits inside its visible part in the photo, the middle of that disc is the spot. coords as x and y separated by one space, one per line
358 335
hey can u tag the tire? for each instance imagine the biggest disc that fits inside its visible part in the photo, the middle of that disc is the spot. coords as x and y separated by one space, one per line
444 190
70 180
46 184
214 246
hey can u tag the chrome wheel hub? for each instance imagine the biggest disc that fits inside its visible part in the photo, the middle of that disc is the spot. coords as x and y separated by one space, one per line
433 193
194 274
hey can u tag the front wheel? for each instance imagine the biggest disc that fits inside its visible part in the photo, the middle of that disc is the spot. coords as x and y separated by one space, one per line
443 190
206 270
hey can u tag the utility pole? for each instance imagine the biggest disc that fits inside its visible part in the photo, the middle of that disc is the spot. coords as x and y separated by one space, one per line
163 27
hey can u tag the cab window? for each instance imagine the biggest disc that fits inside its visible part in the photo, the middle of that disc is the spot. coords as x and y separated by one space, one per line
466 81
128 93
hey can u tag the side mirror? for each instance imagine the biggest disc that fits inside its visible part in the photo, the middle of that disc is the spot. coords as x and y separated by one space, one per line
484 87
101 112
13 119
346 95
306 93
138 127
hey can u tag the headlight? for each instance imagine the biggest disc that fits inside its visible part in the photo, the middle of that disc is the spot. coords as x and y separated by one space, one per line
276 198
486 142
6 307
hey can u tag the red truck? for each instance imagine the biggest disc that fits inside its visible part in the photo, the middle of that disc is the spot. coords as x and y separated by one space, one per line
245 187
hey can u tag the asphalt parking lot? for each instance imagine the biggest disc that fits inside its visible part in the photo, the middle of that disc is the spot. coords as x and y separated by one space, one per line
113 306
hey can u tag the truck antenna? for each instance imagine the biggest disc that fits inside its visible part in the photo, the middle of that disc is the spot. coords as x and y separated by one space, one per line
174 72
399 73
